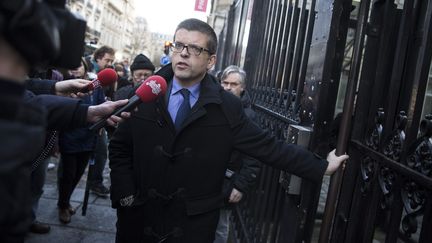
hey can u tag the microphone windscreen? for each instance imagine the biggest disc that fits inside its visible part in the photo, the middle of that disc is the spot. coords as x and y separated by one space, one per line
107 76
153 87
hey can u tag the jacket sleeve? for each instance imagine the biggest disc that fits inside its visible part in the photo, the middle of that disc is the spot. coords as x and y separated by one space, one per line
63 113
247 175
40 86
261 145
120 161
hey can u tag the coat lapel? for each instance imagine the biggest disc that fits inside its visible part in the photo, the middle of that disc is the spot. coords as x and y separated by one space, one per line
161 107
209 93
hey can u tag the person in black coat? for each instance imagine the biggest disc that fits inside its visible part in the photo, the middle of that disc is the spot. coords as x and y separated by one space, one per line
24 116
169 159
24 119
242 171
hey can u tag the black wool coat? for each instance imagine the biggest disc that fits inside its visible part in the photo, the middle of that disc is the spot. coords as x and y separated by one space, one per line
160 166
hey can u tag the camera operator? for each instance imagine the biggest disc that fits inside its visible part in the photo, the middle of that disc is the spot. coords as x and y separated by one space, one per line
35 33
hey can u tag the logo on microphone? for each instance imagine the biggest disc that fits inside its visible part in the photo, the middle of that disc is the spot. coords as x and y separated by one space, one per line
96 83
155 87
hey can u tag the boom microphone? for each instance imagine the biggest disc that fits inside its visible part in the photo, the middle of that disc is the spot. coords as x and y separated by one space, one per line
153 87
105 77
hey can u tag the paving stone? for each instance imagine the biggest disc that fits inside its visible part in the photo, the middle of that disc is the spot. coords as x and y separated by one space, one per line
61 234
98 226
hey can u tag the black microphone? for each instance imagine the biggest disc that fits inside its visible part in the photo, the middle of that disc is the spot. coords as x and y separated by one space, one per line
153 87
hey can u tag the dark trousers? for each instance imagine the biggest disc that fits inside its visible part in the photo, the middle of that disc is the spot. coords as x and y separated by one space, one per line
100 158
71 168
37 182
154 222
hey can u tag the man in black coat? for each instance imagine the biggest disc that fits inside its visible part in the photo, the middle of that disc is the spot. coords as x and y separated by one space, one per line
242 171
168 161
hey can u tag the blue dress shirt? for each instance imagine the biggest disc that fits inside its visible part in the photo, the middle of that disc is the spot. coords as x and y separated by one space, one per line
176 99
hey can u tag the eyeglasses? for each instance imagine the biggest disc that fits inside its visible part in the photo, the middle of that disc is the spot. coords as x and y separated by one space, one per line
230 84
191 49
142 75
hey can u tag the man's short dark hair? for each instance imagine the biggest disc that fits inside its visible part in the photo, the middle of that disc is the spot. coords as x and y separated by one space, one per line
203 27
100 52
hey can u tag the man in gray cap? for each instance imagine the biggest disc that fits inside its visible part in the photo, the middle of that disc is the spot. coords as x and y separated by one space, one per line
141 69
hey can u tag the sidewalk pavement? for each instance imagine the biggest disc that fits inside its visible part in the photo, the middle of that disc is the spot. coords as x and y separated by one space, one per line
98 226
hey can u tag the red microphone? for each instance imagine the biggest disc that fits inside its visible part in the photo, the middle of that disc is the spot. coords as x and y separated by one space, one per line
105 77
153 87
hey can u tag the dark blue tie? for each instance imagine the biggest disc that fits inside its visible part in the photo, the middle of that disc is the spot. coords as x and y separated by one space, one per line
184 109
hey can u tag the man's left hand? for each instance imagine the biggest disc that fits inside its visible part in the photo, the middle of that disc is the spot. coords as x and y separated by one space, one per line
334 161
235 196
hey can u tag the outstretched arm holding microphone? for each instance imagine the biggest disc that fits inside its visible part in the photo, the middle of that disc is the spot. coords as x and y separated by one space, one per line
72 87
153 87
64 112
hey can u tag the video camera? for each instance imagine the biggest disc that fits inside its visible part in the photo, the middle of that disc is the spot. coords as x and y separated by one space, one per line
43 31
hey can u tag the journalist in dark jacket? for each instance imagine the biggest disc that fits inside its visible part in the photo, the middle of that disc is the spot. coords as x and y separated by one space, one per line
166 182
76 147
24 118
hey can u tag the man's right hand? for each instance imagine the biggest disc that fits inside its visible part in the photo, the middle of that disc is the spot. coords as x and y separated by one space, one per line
71 87
98 112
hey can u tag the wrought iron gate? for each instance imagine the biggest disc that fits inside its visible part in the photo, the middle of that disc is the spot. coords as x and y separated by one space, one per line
368 61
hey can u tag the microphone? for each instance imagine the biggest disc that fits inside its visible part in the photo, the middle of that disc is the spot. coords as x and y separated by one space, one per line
105 77
153 87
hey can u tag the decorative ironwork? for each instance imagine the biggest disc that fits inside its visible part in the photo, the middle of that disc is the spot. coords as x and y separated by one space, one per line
374 138
278 103
386 179
272 123
420 159
392 149
367 169
393 146
368 165
413 197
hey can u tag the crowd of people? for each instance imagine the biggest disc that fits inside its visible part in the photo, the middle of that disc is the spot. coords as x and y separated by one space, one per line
80 146
177 165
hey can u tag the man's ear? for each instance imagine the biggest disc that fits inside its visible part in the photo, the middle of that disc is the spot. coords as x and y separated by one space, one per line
211 61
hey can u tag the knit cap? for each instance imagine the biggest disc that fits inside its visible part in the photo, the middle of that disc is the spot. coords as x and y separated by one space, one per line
142 62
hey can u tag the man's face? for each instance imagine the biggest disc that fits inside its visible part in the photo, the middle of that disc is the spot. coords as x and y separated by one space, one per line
233 84
106 61
120 73
78 72
140 75
188 68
